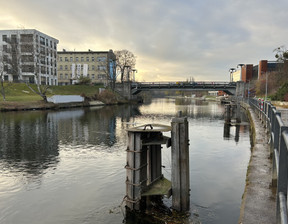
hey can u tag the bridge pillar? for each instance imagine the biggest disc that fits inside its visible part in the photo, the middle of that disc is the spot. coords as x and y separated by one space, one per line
124 89
127 90
240 89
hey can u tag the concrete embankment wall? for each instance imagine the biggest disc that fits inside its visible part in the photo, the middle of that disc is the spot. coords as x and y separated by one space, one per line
259 198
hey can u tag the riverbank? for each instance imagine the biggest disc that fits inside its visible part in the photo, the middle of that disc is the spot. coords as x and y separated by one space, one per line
41 105
259 198
19 97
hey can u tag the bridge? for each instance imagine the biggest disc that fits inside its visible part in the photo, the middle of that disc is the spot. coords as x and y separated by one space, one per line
227 87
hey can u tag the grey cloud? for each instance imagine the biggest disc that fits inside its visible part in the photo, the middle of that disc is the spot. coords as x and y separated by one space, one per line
170 38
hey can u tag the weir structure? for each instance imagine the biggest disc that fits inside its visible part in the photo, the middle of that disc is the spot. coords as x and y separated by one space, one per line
144 178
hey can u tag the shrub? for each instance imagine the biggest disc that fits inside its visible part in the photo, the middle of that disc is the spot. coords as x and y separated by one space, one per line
282 93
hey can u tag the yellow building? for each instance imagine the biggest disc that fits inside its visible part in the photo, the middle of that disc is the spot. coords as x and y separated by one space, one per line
236 76
98 66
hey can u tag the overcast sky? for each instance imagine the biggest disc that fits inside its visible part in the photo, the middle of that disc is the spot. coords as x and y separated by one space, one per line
172 40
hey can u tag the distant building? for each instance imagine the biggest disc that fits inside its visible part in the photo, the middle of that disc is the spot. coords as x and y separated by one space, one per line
269 66
98 66
28 55
245 73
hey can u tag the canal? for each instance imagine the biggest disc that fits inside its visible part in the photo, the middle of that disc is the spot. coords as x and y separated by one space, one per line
68 166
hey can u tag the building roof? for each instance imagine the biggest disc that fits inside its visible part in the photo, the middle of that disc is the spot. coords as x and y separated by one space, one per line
84 52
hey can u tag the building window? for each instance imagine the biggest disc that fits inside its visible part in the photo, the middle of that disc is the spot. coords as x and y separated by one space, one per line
4 38
60 58
101 76
71 59
42 40
93 67
87 58
82 58
92 76
92 59
66 67
61 67
102 59
5 48
66 76
101 67
77 59
66 58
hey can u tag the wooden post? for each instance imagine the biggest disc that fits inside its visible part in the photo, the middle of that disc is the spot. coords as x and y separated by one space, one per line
180 164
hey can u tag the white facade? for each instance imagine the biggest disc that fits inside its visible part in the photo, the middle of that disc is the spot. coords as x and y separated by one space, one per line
28 55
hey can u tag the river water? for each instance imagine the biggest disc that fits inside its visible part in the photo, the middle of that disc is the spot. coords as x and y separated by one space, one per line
68 166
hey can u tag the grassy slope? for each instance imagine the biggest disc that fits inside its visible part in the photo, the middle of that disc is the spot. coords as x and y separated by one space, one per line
19 92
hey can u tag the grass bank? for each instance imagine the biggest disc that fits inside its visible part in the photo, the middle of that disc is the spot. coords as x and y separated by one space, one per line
19 96
20 92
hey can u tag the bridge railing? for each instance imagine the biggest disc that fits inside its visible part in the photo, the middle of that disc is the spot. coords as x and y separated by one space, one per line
142 84
271 118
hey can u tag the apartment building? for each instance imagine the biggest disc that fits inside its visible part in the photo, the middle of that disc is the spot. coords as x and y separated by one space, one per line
28 55
98 66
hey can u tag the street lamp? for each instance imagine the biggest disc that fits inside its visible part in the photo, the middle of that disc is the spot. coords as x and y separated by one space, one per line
134 70
231 70
266 90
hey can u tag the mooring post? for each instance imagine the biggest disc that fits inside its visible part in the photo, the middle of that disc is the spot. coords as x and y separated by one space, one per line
180 164
238 112
136 170
228 113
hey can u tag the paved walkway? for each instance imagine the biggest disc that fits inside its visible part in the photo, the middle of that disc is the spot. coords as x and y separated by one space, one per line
259 199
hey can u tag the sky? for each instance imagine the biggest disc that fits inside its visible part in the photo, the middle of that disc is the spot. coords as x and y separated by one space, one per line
172 40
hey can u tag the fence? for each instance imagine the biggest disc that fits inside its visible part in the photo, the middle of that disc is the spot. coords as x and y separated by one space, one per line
271 119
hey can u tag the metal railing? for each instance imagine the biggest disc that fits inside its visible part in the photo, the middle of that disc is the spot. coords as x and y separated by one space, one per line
271 118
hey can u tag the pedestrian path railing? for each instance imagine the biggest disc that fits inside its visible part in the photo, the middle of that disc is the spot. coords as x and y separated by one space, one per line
278 132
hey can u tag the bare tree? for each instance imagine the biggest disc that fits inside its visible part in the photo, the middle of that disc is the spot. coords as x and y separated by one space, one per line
281 53
41 89
24 62
124 59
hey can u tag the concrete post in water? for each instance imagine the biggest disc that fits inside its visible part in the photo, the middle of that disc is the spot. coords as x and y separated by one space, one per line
238 112
228 113
180 164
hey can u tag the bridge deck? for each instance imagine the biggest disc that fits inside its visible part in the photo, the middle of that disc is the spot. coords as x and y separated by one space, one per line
228 87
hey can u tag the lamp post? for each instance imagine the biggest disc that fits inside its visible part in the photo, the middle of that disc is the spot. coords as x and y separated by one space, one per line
231 70
266 89
134 70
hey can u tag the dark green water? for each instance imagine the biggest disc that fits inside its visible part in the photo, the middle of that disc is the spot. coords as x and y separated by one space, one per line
68 166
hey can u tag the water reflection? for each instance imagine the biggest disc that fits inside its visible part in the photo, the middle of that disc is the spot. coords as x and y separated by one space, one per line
28 142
